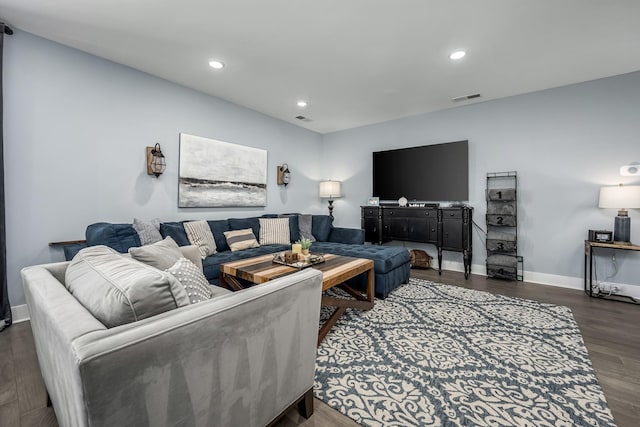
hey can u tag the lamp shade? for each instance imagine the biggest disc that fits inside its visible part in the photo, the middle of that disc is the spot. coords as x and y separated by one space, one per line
330 189
620 197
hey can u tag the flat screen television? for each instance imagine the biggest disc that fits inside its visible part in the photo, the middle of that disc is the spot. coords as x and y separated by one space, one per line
430 173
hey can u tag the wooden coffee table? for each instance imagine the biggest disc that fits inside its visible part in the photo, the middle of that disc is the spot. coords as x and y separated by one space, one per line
335 270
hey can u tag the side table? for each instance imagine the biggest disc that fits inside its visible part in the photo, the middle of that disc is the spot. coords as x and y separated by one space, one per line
589 249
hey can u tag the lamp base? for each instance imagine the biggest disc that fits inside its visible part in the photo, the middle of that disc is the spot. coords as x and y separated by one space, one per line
622 229
331 209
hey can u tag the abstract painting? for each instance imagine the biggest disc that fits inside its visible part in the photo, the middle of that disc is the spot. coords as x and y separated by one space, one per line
217 174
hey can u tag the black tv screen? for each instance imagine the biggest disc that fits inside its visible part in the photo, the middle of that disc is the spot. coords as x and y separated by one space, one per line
430 173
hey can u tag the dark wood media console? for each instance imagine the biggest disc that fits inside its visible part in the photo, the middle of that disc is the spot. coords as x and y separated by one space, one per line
447 228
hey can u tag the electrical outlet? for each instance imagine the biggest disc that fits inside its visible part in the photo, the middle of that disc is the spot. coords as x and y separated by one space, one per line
608 288
605 287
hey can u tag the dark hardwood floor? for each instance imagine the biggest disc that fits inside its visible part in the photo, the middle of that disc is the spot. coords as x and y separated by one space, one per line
609 328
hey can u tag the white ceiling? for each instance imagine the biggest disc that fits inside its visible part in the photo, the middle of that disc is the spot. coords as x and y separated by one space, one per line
356 62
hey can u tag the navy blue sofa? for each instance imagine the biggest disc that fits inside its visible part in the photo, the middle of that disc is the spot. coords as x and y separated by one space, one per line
391 264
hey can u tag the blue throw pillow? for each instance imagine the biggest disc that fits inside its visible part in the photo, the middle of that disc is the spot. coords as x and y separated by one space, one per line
321 227
176 231
218 228
119 237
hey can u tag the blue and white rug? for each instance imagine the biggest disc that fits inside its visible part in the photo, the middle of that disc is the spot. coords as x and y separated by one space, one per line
440 355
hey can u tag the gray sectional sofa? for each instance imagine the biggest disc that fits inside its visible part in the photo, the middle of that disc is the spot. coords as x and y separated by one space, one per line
391 264
238 359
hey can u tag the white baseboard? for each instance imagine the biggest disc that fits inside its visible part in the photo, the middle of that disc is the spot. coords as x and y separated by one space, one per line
20 313
545 279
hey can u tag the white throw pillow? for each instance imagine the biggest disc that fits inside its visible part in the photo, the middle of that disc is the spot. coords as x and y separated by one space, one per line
193 280
199 234
274 231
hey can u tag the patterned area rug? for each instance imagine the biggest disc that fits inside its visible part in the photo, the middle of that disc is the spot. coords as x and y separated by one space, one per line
440 355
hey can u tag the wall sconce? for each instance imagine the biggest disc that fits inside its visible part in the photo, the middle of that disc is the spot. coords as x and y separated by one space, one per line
155 161
331 190
284 175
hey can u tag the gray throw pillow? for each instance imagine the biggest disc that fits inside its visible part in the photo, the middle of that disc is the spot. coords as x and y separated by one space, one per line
304 223
117 290
148 231
160 255
192 279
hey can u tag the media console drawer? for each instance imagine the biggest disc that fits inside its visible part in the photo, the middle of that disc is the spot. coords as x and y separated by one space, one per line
410 212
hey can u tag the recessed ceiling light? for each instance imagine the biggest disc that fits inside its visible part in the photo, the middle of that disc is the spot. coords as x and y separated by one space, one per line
216 64
302 104
458 54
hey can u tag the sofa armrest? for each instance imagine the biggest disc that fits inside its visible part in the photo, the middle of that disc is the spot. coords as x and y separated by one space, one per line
354 236
57 319
239 359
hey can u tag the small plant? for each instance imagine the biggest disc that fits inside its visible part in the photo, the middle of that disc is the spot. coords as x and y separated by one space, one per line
304 243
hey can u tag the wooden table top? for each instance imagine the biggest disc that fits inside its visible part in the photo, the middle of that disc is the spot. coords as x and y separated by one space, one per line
335 270
613 245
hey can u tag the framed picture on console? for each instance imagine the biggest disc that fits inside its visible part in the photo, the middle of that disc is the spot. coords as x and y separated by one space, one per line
215 173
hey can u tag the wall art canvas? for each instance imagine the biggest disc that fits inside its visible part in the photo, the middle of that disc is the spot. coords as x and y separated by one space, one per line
216 174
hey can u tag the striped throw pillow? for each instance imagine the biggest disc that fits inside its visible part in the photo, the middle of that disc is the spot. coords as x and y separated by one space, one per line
274 231
199 234
241 239
148 231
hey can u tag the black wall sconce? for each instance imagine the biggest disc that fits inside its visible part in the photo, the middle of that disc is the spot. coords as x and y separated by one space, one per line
284 175
155 161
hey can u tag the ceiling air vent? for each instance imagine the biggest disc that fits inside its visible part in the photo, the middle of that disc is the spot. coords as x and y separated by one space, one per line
466 97
303 118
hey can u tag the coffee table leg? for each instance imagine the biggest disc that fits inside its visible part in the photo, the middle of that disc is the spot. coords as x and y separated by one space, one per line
230 282
361 302
324 330
370 286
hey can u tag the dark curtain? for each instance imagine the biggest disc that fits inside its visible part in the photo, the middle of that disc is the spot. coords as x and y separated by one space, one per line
5 307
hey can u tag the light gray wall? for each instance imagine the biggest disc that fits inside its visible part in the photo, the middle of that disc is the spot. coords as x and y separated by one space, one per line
564 143
76 128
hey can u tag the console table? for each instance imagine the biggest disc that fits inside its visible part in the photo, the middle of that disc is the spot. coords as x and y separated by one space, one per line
588 272
448 228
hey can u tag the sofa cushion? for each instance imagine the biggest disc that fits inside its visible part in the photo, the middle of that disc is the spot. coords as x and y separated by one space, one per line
241 239
117 236
117 290
176 231
160 255
192 279
218 228
200 234
321 227
274 231
385 258
241 223
148 231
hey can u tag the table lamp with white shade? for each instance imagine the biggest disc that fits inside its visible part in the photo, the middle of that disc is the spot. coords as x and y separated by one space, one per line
621 197
330 189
